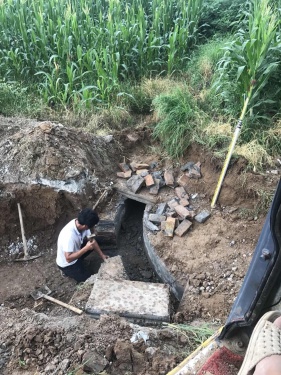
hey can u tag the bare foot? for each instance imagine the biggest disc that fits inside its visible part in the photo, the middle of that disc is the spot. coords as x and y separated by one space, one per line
270 365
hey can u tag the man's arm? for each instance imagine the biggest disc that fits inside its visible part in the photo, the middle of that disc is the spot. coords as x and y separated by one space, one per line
90 245
98 249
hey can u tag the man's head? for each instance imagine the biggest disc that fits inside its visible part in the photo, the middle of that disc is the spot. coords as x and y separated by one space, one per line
88 217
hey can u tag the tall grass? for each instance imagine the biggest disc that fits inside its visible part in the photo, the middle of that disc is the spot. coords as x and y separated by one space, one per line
179 121
79 50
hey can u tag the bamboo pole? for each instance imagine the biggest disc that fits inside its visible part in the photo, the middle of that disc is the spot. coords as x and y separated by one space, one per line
231 149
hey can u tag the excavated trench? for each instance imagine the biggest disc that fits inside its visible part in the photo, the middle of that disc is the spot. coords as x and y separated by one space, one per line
131 246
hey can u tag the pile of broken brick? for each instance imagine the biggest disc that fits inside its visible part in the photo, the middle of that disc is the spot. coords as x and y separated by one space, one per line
175 216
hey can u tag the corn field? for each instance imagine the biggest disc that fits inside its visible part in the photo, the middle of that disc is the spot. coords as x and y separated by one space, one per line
79 51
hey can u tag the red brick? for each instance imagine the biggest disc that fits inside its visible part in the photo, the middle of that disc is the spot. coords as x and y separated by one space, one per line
127 174
169 226
183 228
182 211
149 181
155 188
173 203
184 202
181 193
169 178
183 181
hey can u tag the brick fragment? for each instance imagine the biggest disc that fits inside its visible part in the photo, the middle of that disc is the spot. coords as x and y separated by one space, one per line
124 167
142 172
181 192
169 178
135 183
183 228
173 203
149 181
183 181
182 211
184 202
140 165
127 174
156 218
155 188
169 227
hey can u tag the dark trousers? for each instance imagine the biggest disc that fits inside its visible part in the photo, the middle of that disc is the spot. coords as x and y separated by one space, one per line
77 271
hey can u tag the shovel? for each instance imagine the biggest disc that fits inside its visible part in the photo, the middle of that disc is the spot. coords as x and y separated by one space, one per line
44 293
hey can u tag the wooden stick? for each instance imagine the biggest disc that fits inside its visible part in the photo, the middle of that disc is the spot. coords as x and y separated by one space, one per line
22 233
100 198
72 308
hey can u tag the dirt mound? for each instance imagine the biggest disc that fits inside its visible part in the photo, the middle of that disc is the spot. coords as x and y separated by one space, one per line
44 166
58 345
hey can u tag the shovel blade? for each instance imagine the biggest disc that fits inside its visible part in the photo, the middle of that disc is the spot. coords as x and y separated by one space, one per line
40 292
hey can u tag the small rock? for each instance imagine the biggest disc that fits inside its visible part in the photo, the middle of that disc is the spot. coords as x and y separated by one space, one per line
202 216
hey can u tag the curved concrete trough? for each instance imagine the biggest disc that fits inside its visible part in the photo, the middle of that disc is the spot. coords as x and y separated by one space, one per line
158 264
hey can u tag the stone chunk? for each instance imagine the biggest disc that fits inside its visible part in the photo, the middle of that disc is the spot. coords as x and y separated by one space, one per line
94 362
150 226
156 218
169 226
183 228
149 181
124 167
202 216
155 188
127 174
135 183
169 178
193 169
161 208
181 193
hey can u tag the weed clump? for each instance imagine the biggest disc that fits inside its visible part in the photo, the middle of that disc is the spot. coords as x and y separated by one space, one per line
179 121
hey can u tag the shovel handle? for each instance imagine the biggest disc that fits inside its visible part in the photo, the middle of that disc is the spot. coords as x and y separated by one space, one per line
72 308
22 233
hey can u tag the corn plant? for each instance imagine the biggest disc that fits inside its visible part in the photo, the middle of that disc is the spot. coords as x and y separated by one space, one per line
252 57
67 45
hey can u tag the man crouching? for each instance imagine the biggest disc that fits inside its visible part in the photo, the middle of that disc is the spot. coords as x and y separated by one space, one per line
73 245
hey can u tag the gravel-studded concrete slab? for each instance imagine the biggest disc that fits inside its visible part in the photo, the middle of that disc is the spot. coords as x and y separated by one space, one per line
134 300
112 269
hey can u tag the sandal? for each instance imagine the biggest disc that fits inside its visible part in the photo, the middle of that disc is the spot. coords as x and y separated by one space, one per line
265 341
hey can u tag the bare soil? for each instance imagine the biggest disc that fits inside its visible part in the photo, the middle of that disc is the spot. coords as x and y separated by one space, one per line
54 171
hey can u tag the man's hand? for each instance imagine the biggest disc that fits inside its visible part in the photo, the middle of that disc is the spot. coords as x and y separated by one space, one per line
90 245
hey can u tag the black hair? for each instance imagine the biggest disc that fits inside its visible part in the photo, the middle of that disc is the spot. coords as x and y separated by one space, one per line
88 217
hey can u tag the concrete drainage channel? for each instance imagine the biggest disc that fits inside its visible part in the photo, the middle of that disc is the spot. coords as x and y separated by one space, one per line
129 284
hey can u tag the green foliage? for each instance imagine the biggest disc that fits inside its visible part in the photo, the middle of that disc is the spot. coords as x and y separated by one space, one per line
17 100
251 58
196 335
179 123
78 51
218 16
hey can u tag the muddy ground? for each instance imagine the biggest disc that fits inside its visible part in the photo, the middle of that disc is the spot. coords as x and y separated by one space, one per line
54 171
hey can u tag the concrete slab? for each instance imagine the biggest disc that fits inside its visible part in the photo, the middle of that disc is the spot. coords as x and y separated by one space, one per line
112 269
135 300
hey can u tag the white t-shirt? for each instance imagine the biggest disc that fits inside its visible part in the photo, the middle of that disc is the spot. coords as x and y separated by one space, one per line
69 241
